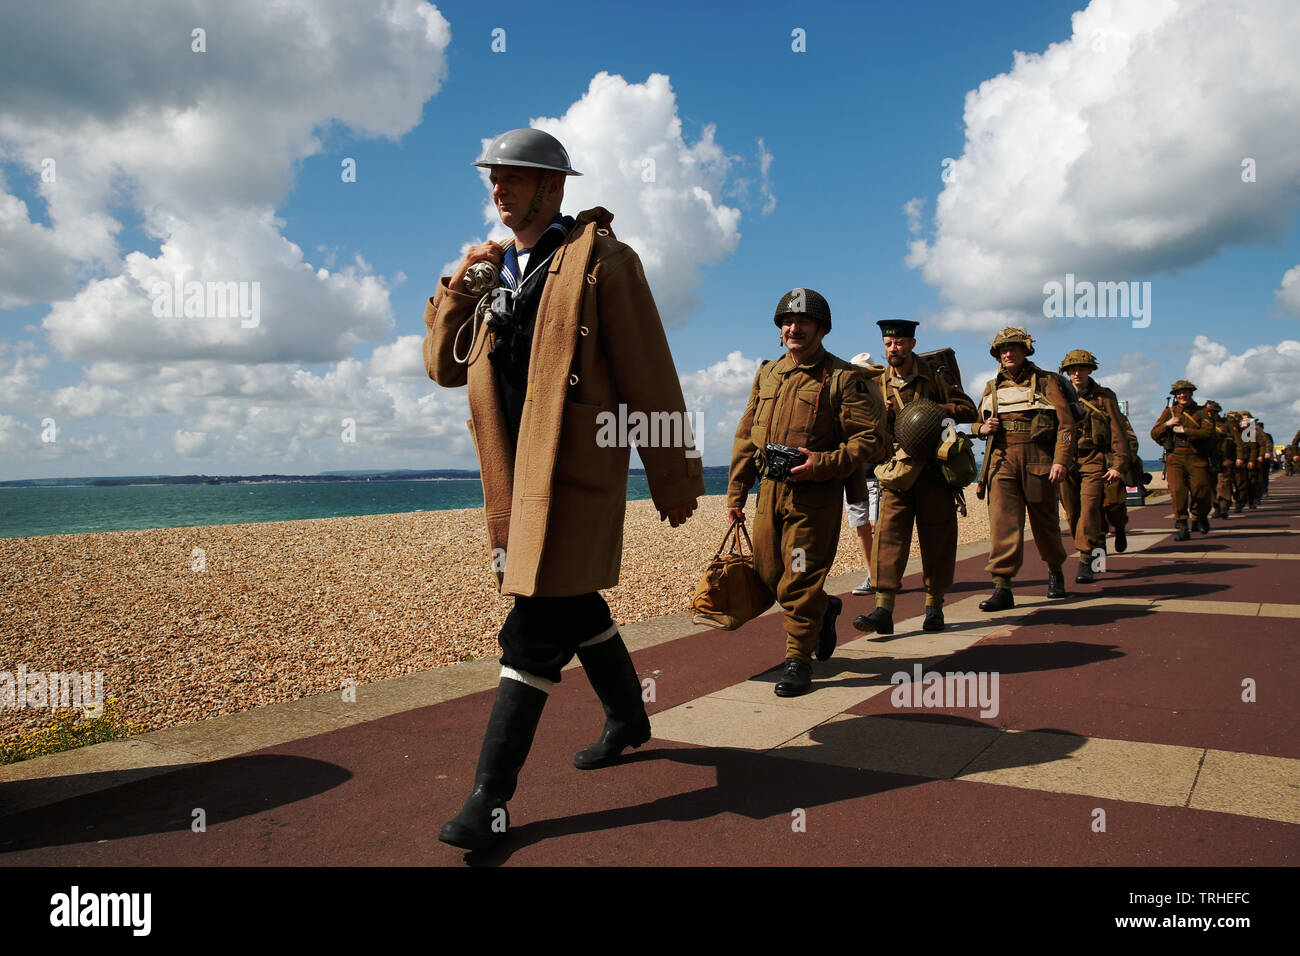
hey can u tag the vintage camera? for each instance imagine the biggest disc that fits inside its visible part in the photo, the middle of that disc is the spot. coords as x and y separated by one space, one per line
779 459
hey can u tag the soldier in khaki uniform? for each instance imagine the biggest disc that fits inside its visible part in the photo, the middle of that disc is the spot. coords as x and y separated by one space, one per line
1225 456
833 415
1100 463
1243 488
1266 465
1288 459
1030 443
928 503
1114 510
1185 430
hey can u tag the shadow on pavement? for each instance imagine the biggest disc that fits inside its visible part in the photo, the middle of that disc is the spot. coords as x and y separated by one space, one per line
762 785
223 789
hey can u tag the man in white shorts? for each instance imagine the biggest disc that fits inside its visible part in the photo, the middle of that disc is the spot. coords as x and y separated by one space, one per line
863 514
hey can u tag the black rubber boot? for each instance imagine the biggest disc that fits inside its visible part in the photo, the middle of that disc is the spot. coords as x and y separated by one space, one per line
878 621
826 644
613 677
1121 541
1180 531
999 600
483 821
1084 575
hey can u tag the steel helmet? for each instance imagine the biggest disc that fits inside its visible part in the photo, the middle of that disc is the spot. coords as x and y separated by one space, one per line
804 302
528 147
1181 385
1079 357
919 426
1017 336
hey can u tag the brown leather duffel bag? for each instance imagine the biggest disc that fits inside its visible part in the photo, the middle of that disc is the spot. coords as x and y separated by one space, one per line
730 591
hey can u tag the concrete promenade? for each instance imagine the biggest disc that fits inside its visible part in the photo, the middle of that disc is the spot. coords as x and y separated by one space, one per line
1151 719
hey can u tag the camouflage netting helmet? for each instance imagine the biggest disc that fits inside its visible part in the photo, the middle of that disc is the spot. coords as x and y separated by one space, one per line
804 302
1079 357
919 427
527 147
1016 336
1214 406
1182 385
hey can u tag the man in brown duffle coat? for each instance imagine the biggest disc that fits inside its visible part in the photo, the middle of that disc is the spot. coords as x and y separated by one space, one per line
1030 443
1100 462
929 502
832 414
550 348
1185 431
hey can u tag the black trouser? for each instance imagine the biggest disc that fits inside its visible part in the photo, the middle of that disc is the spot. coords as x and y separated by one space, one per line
541 634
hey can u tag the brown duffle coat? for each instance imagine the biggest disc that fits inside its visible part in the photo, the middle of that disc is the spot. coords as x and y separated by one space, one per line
557 506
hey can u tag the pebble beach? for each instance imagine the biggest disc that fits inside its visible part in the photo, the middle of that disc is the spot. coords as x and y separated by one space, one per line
277 611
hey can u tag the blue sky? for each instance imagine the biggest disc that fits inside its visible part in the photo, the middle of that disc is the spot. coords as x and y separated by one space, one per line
1108 145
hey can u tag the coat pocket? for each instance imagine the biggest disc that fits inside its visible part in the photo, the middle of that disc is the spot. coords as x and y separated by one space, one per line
592 454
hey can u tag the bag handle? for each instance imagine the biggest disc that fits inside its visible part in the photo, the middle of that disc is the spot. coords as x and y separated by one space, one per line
734 531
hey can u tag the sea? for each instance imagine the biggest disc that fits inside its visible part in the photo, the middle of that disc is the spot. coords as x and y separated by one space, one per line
26 511
29 511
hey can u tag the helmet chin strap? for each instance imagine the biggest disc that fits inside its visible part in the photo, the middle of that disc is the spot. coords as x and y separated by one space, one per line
535 206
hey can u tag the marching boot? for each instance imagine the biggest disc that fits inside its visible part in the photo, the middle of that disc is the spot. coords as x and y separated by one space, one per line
1085 573
879 621
796 679
933 618
483 821
1180 531
1121 541
1055 583
1203 524
613 677
999 600
1238 508
826 644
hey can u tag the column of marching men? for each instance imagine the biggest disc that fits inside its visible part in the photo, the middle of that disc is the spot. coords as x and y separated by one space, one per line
816 426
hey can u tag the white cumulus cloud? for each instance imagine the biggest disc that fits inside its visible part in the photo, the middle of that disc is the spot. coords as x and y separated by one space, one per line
665 193
1159 134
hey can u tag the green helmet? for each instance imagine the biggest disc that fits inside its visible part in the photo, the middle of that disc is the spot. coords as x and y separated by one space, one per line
1181 385
804 302
528 147
1079 357
1016 336
919 426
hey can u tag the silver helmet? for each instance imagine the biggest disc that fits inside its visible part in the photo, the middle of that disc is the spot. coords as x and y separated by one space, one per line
528 147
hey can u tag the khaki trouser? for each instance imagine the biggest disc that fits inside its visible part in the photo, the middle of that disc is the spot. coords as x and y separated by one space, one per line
1018 484
1083 493
796 536
1188 475
1223 487
1242 484
929 505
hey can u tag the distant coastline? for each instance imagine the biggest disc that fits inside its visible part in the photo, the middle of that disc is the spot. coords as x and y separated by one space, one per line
144 481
